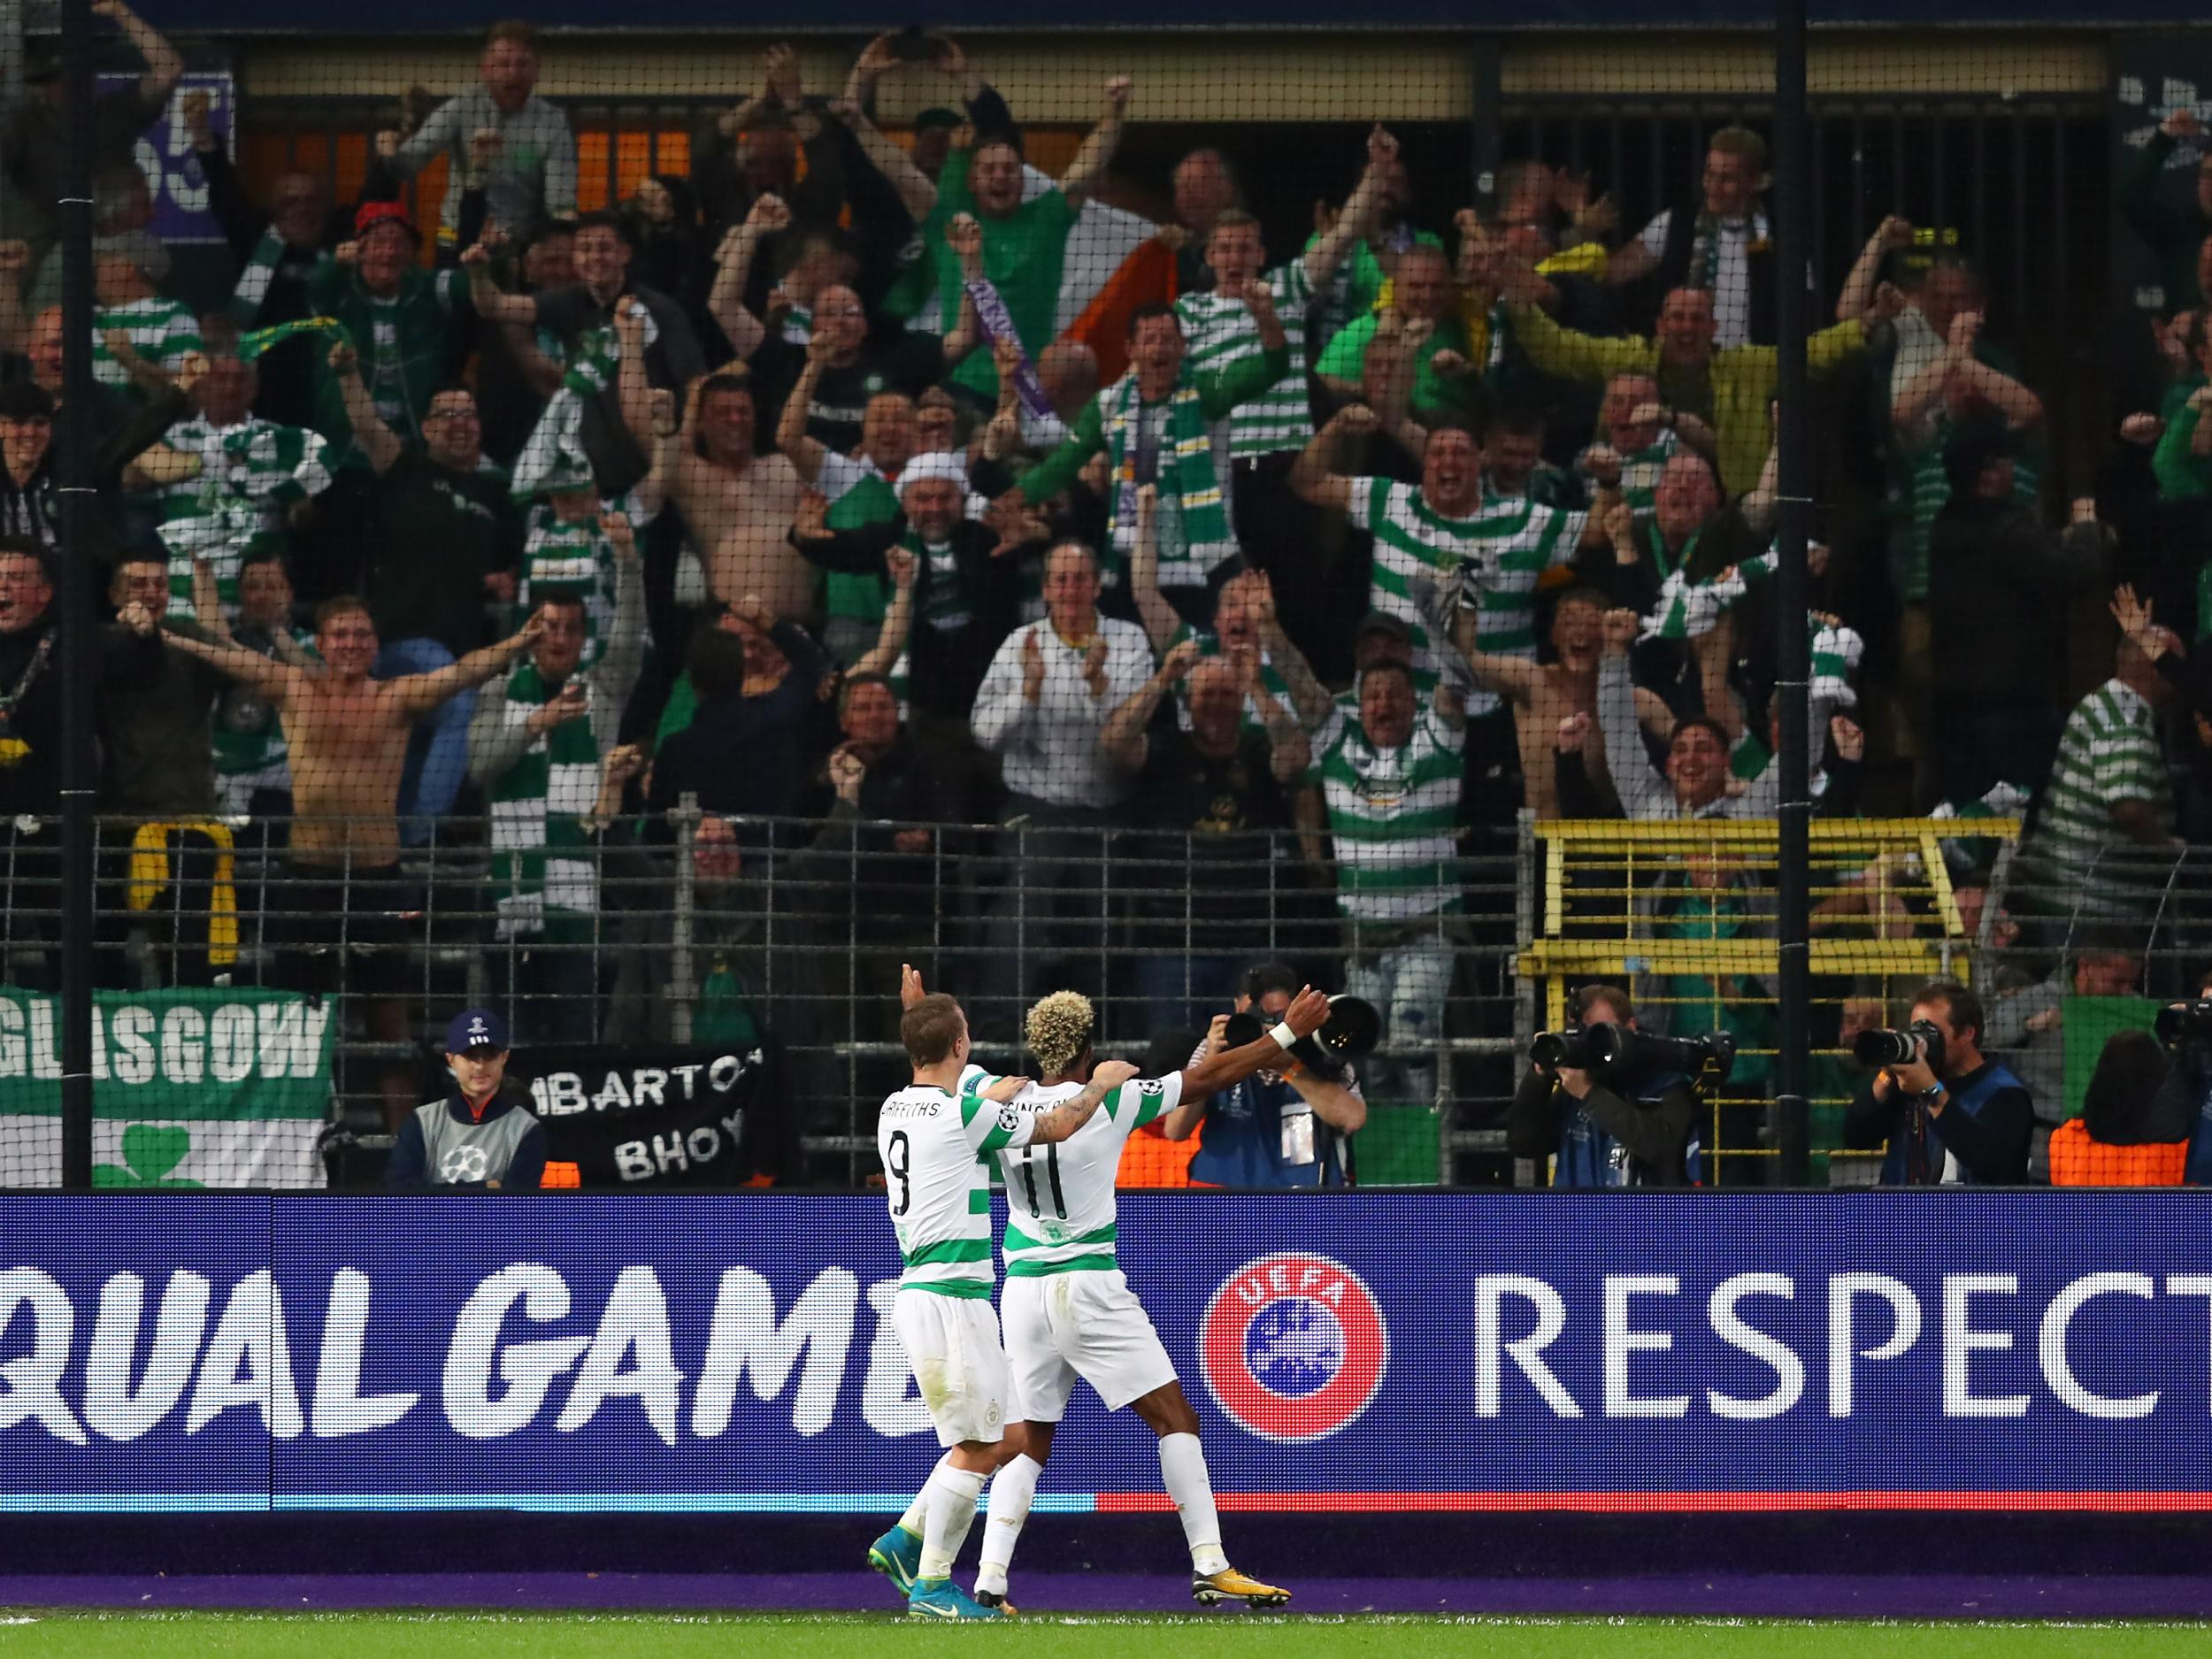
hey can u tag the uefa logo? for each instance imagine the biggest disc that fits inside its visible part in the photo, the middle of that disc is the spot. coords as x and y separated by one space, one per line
1294 1346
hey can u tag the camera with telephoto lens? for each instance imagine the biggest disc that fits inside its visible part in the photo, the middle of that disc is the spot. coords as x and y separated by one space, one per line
1552 1049
2183 1021
1919 1040
1350 1033
1612 1054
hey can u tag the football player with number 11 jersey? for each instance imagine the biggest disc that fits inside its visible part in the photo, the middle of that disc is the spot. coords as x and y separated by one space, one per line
936 1138
931 1136
1067 1310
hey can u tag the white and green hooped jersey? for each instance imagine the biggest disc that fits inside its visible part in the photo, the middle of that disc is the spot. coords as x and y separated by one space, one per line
251 475
1423 561
934 1145
1393 815
1219 332
163 330
1060 1213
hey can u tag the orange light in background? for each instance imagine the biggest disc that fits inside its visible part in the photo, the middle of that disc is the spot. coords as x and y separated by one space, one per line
632 160
591 170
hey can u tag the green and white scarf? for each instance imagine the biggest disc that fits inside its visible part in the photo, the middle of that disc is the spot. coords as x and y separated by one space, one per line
554 457
946 605
539 856
561 557
1186 475
1688 609
1836 653
1965 854
1641 472
251 290
1705 243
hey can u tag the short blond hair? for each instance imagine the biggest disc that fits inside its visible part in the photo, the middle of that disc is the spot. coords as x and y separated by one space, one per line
1741 141
1060 1029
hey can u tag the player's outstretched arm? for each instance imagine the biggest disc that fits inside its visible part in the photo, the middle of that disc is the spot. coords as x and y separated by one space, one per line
1070 1115
1307 1012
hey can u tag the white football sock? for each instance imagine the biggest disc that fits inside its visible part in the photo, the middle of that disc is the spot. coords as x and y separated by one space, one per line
1183 1470
912 1519
1012 1491
949 1511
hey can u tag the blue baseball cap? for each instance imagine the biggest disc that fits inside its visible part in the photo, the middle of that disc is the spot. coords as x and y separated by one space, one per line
476 1028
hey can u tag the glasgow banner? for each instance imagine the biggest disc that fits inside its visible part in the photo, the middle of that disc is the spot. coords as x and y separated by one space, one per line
190 1088
1388 1351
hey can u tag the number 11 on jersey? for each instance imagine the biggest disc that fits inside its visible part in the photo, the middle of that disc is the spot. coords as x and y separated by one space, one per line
1052 1177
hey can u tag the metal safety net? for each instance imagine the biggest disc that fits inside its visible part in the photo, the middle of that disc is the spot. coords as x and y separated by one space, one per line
649 534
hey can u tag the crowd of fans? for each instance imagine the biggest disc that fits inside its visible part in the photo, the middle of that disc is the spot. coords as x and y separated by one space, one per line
869 489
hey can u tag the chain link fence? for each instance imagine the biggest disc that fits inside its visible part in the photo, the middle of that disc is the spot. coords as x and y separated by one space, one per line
649 540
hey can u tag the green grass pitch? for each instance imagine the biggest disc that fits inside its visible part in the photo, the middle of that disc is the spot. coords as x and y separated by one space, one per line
34 1634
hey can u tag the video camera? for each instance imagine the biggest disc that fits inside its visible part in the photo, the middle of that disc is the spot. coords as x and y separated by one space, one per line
1614 1053
1350 1033
1919 1040
2183 1021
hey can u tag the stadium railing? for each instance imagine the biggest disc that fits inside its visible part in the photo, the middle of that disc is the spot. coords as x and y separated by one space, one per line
1682 914
713 930
735 929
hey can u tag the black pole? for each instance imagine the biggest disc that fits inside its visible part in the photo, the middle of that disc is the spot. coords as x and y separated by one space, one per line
76 595
1486 82
1792 246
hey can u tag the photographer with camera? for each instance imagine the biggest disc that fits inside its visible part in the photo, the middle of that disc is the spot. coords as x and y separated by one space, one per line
1291 1128
2182 1104
1635 1130
1950 1116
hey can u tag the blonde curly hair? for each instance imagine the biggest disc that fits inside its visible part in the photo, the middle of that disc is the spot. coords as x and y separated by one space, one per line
1060 1029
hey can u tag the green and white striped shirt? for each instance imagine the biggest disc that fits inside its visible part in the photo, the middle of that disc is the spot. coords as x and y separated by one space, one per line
1060 1213
2109 754
935 1145
161 331
1219 332
251 475
1426 565
1393 814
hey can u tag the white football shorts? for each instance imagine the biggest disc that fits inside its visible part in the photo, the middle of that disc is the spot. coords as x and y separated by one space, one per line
952 1344
1088 1325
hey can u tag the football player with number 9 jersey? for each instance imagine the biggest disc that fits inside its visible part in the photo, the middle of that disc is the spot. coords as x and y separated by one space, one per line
931 1135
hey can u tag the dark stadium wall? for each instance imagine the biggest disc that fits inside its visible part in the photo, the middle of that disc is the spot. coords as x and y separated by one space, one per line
865 16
